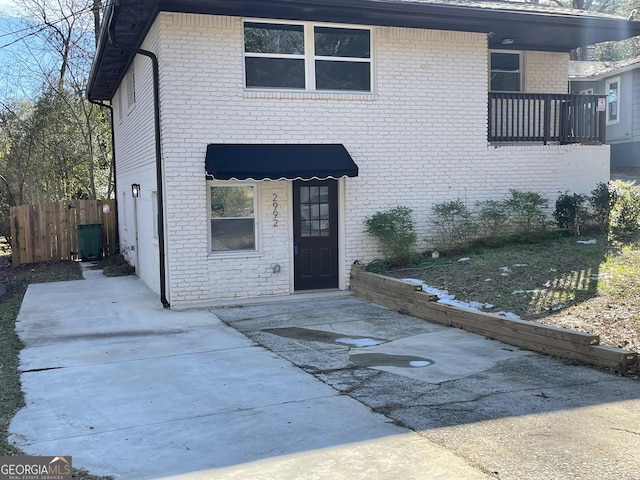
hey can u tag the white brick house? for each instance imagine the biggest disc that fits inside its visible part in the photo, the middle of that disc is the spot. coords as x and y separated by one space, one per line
255 89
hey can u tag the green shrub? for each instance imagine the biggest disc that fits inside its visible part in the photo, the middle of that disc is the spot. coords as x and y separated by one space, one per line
492 217
395 232
625 215
527 211
570 212
454 224
602 201
379 266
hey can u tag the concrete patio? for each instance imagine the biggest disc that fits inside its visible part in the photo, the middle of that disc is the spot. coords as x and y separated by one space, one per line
328 388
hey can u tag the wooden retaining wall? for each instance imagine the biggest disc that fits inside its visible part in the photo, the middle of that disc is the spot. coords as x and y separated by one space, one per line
410 299
48 231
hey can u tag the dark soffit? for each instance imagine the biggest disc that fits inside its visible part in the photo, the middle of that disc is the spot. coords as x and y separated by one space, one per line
532 27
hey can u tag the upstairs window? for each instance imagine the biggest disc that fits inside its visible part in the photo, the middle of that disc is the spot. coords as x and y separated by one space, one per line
131 86
612 89
274 55
342 59
307 57
506 72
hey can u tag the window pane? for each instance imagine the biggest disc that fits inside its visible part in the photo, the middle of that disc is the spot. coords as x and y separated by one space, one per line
342 42
274 72
505 82
612 100
231 202
343 76
506 62
324 210
305 212
274 38
232 234
613 111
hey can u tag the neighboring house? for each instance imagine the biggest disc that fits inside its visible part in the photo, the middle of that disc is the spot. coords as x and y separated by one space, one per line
279 126
619 84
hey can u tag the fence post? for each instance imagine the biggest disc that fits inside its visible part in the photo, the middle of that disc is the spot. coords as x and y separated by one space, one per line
490 119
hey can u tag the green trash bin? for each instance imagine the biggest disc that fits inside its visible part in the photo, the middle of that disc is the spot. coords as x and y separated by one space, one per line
90 241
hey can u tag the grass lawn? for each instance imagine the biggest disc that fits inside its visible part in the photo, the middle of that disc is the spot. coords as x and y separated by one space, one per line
16 281
592 286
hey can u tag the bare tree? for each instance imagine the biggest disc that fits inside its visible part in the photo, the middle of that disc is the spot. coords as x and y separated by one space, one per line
66 29
67 134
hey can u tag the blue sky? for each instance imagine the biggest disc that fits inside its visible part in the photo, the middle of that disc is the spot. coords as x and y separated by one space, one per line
20 62
5 6
23 57
13 69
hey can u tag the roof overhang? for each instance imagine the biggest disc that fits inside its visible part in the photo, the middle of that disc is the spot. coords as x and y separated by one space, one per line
600 70
531 27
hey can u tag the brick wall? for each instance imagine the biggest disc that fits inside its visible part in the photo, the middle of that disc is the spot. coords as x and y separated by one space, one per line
418 140
136 160
546 72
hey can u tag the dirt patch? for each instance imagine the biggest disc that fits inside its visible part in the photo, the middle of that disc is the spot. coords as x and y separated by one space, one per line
114 266
592 288
16 279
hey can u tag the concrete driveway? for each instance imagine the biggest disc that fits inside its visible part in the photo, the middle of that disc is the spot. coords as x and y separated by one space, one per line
331 388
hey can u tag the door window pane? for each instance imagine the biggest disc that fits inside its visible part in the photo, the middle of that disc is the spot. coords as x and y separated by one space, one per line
304 194
314 212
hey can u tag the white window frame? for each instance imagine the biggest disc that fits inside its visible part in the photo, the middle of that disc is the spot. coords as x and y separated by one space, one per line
256 216
123 210
607 87
520 69
120 105
154 210
310 57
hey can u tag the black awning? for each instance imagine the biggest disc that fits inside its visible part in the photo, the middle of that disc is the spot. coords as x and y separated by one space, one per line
278 161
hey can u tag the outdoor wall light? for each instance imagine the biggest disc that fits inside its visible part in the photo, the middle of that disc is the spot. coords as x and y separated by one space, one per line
135 190
507 41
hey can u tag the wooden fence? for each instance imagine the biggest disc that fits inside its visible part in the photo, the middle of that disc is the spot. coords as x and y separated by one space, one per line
48 231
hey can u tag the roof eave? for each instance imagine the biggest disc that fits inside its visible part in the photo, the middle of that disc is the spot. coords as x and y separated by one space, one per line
555 32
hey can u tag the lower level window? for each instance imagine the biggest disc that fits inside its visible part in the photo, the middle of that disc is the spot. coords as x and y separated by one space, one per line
233 219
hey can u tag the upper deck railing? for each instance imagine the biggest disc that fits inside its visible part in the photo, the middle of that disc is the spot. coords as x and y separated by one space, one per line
545 117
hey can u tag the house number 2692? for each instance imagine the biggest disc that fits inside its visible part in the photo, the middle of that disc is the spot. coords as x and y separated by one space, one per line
275 209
